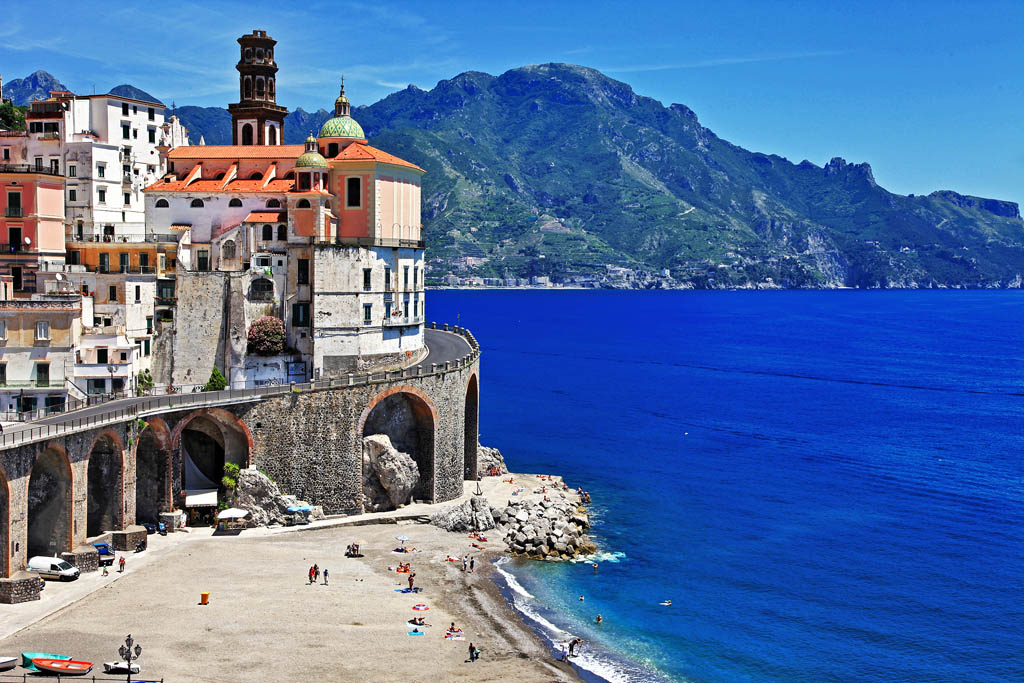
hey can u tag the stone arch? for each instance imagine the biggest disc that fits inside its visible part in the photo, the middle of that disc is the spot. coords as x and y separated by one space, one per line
471 427
210 438
152 471
408 417
247 134
49 503
105 484
272 135
5 526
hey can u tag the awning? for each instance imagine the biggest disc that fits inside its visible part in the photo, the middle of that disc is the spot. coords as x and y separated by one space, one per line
201 498
180 226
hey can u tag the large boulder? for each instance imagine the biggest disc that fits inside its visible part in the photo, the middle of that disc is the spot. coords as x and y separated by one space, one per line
263 499
486 458
471 515
389 476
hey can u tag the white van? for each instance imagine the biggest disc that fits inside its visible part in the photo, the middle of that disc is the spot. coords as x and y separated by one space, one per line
53 568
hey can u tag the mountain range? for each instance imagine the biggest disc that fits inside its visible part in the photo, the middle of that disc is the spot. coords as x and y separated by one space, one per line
559 170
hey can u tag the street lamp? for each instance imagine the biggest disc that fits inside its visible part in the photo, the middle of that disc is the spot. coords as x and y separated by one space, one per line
111 369
128 654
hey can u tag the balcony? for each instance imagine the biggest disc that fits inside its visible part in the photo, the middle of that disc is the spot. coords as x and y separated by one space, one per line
135 237
14 212
373 242
27 168
101 371
403 320
121 269
6 248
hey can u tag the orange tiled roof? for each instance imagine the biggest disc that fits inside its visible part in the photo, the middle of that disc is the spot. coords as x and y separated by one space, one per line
236 152
212 186
358 151
265 217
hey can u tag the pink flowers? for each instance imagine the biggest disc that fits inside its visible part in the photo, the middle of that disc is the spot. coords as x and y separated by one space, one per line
266 336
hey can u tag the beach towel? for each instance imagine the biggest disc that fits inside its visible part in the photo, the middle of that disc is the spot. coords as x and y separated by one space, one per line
420 607
457 636
415 633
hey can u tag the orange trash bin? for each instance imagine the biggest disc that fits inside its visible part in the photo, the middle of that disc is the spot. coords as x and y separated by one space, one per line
204 598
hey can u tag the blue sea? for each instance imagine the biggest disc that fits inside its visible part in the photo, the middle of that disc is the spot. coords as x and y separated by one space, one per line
828 486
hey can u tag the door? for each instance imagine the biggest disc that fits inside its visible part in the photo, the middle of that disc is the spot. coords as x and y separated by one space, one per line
125 261
14 235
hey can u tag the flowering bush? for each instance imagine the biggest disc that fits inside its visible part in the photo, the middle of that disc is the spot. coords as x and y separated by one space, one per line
266 336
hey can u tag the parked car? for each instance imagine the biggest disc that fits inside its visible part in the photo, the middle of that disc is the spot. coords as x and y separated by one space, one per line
52 568
106 554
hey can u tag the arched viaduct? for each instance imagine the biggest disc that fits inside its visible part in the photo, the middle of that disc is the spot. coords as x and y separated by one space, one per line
68 482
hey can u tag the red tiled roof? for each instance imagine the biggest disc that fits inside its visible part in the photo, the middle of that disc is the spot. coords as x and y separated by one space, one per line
212 186
265 217
236 152
358 151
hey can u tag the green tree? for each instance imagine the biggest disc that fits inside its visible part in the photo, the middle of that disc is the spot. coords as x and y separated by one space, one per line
216 381
12 116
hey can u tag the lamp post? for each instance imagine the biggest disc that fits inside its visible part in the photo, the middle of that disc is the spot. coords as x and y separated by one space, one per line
110 369
128 654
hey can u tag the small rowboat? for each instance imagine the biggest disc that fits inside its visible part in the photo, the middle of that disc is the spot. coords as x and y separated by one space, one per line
65 667
28 657
8 663
119 667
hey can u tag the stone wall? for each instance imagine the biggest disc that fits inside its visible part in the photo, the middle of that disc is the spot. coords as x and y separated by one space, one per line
200 327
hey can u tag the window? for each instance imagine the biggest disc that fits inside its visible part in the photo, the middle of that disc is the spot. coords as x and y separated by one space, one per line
55 166
367 273
75 258
102 195
135 134
144 260
203 260
42 330
149 325
268 232
125 261
151 114
272 135
161 204
101 170
247 131
302 272
387 310
282 233
415 277
273 204
7 153
387 279
405 276
124 356
124 109
104 262
353 197
415 305
72 171
227 250
138 294
42 374
152 135
234 203
126 131
303 204
304 181
145 345
197 204
332 150
112 294
14 235
300 315
126 169
3 329
101 355
367 313
127 198
3 374
261 289
39 163
72 195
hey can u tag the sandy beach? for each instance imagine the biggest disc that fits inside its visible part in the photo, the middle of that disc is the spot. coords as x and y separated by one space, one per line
265 622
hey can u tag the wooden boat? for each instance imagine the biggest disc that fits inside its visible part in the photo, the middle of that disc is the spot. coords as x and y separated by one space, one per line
27 657
64 667
119 667
8 663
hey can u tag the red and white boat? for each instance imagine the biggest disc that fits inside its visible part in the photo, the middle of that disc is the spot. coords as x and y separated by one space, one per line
64 667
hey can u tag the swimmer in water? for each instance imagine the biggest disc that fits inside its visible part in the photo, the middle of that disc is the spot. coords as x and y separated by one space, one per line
666 603
599 619
581 598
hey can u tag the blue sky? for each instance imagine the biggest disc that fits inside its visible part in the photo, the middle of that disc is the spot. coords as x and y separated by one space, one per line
931 94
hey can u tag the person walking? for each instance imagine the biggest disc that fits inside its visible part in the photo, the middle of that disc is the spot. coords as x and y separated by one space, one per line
325 576
120 569
316 573
465 562
311 576
472 563
412 579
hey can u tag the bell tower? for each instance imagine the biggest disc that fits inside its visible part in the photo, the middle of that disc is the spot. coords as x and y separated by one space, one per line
257 119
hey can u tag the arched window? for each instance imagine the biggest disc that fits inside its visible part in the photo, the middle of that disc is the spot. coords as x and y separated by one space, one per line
219 176
282 233
302 204
255 175
197 204
272 136
247 88
162 204
248 53
227 251
332 150
259 53
260 87
290 175
236 202
268 233
273 204
247 134
261 289
270 87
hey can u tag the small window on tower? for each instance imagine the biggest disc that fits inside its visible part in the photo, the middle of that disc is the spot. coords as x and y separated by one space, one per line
236 202
353 193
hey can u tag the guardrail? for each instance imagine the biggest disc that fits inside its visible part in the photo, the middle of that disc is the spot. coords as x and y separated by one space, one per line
153 405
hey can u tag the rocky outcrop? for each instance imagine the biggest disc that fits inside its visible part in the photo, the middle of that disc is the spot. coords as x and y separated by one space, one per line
389 475
486 458
263 499
547 529
472 515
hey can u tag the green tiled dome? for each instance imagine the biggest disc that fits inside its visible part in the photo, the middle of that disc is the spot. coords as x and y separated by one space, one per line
342 127
311 160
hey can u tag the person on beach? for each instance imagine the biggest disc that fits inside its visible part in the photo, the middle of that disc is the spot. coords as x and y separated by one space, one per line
465 562
474 653
316 573
325 576
563 649
412 579
120 569
472 563
105 572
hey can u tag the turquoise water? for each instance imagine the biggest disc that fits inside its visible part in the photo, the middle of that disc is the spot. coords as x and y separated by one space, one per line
828 485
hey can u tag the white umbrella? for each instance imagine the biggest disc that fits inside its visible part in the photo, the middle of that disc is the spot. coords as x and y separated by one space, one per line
232 513
403 539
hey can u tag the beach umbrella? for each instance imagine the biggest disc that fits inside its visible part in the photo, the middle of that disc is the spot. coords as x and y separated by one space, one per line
232 513
403 539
